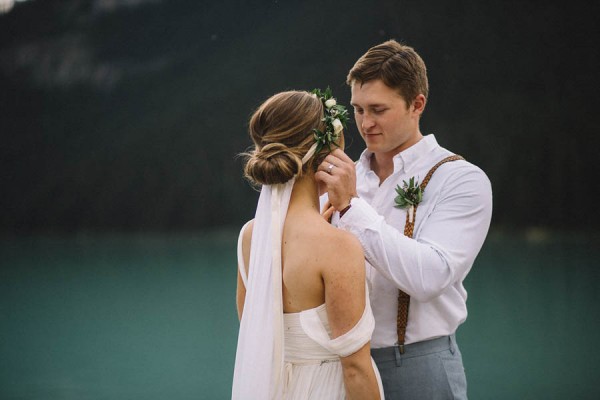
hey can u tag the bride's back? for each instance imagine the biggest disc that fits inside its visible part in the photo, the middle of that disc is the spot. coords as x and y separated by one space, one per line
309 246
305 253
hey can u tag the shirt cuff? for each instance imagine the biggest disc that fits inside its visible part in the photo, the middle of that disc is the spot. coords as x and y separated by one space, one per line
358 217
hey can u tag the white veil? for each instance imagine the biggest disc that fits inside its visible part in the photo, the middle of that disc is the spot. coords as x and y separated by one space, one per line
259 358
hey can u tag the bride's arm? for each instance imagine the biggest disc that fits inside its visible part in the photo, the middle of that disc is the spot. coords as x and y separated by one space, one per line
359 377
240 296
344 279
246 239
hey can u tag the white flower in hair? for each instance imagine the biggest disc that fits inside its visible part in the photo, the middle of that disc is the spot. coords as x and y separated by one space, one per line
337 126
335 119
330 103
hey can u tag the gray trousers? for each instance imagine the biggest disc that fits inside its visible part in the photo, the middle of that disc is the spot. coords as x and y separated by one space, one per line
428 370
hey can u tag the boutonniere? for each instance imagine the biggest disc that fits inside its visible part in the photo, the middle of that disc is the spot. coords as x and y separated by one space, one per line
409 195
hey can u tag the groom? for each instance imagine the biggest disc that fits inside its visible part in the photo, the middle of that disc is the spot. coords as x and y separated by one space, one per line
421 214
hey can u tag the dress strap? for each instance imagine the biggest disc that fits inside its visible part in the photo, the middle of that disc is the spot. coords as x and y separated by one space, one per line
240 255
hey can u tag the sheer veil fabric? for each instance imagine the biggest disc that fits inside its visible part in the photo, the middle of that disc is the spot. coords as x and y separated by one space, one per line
259 359
259 362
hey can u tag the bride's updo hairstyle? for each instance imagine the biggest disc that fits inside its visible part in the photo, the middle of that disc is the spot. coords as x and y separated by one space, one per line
282 132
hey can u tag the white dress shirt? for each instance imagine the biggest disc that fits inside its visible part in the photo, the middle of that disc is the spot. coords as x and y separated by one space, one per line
451 224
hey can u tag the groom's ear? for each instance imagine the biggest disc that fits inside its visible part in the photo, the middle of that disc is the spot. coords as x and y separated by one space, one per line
418 104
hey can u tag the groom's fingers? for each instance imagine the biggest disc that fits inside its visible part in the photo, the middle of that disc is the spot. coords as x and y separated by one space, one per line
339 154
339 159
328 213
325 207
337 172
335 162
324 177
335 159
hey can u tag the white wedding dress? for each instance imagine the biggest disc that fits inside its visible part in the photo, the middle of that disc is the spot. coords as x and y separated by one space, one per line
312 368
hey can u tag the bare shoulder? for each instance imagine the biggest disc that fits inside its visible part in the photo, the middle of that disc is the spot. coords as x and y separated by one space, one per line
247 235
343 275
340 249
247 242
346 242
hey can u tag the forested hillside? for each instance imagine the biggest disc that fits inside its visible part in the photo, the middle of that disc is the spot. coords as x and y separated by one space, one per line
129 115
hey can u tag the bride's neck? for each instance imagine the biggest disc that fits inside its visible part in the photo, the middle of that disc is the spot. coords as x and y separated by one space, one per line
305 195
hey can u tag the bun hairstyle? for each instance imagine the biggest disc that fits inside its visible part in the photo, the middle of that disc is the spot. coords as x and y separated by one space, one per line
282 132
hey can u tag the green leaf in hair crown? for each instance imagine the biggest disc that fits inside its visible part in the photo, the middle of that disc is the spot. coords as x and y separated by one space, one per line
335 119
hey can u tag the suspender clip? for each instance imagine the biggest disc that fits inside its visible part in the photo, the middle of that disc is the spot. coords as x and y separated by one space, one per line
401 348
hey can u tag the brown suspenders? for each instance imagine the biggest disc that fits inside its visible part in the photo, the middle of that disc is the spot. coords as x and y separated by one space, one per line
403 298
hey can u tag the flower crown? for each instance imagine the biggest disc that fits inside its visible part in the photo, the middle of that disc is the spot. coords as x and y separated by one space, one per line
336 119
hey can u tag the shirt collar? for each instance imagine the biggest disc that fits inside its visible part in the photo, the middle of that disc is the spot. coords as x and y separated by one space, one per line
407 159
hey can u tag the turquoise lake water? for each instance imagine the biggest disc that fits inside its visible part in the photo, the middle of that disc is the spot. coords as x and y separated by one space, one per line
153 317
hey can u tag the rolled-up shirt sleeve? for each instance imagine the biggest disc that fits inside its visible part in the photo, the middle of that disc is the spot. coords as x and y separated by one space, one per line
451 226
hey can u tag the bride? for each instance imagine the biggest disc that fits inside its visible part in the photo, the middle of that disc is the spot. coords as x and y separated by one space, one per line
305 317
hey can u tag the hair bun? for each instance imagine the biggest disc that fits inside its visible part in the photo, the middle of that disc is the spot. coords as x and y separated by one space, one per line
272 164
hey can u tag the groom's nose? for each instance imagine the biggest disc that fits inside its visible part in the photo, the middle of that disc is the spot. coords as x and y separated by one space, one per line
367 122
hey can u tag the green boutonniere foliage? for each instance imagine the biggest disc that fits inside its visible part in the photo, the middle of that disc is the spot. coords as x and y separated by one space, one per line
409 195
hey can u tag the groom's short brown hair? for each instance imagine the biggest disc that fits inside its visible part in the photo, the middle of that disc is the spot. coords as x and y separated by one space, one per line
397 65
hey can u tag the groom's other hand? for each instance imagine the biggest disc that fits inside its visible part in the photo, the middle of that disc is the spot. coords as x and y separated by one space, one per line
340 180
327 211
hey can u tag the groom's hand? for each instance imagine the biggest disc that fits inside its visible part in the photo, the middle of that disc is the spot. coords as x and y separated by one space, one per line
340 180
327 211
